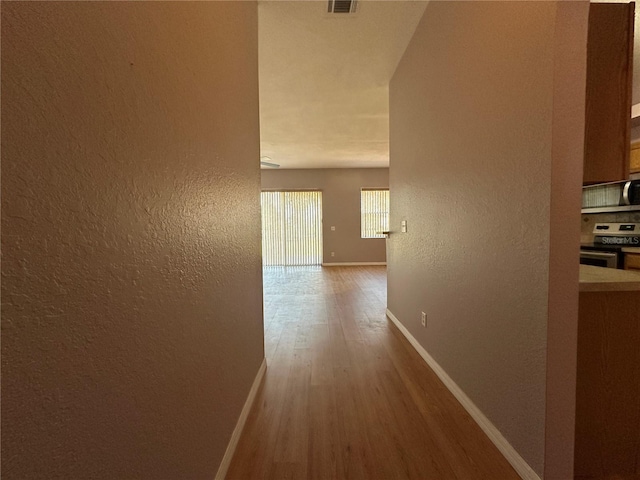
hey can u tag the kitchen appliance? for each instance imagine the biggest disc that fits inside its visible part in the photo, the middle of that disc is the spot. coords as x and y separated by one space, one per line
609 240
614 194
631 192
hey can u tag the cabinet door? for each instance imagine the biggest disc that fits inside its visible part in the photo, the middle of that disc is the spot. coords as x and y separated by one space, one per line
608 101
632 261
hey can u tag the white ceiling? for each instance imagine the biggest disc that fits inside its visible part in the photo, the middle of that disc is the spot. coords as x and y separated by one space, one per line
324 80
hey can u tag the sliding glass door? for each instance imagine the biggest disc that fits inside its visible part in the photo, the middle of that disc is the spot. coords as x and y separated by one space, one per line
291 227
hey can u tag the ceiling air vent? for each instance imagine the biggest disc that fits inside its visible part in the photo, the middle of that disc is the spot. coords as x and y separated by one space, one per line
342 6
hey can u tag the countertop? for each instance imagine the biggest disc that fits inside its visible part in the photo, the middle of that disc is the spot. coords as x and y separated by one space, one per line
600 279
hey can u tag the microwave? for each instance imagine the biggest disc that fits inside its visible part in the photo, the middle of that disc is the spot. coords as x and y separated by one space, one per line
612 194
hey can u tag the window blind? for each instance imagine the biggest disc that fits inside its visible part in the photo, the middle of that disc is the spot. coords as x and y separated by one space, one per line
374 210
291 227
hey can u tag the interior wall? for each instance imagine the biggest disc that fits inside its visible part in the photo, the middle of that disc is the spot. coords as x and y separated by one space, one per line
340 207
567 153
471 114
132 290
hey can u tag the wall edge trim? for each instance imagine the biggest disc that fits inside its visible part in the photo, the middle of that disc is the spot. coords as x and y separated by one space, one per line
513 457
353 264
237 431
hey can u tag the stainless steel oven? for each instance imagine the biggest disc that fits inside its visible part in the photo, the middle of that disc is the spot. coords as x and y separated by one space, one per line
609 239
599 259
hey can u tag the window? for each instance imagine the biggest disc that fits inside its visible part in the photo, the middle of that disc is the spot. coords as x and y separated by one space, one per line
374 212
291 228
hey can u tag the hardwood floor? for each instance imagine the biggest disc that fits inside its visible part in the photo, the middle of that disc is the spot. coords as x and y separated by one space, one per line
346 396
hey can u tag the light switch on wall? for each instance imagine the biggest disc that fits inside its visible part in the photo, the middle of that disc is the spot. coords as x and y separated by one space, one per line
333 229
404 226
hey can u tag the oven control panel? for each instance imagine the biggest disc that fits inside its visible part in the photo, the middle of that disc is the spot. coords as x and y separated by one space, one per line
618 234
616 228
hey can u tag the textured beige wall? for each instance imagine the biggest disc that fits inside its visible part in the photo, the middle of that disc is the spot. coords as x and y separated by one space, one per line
471 137
567 152
340 207
132 291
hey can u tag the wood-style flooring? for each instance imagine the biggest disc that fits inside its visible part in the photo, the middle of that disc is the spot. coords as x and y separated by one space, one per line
346 396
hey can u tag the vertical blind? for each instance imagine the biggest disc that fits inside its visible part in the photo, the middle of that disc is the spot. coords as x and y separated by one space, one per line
374 210
292 228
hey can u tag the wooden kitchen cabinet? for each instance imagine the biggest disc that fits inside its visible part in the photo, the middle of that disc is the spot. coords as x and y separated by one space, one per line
607 433
632 261
608 92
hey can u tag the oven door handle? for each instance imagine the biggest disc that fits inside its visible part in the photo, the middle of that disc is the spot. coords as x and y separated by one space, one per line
597 255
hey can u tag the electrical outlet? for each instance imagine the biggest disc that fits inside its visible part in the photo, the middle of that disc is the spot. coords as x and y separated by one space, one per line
423 319
333 254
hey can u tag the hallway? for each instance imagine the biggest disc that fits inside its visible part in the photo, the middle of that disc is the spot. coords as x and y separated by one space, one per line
346 396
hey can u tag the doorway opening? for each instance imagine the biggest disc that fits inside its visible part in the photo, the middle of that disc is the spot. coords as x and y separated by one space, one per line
291 227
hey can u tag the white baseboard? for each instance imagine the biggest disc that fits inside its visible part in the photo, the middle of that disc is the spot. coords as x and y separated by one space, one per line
352 264
235 436
510 453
